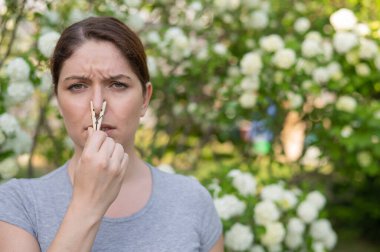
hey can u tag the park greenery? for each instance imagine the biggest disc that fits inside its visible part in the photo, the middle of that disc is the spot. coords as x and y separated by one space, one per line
273 105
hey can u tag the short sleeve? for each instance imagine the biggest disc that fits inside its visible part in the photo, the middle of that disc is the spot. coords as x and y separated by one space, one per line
16 207
211 225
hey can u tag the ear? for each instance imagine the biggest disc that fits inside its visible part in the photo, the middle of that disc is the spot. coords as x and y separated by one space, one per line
147 96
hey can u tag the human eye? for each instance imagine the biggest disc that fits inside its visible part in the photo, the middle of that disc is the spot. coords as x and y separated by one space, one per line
77 87
119 85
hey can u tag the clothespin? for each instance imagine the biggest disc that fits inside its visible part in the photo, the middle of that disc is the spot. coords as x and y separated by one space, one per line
93 117
97 122
101 115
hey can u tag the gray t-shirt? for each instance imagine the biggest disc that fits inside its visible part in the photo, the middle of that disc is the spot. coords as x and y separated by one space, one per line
179 216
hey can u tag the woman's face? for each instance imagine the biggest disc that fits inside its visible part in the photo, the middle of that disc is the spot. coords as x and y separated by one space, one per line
98 71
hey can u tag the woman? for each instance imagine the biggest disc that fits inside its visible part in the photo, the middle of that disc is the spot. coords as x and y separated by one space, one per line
105 198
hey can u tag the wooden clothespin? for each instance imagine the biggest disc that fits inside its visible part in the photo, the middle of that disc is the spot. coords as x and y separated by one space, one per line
97 122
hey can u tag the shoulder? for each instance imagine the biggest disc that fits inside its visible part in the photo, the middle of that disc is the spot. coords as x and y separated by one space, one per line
189 188
23 187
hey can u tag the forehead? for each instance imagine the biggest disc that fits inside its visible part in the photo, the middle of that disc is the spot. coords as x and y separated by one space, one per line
96 57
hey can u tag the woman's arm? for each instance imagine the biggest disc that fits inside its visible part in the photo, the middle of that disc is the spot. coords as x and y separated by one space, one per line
219 245
97 181
15 239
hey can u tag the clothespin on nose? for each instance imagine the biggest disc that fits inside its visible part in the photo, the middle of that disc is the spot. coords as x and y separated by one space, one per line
97 122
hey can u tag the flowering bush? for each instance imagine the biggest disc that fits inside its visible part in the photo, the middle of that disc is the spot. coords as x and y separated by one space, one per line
271 217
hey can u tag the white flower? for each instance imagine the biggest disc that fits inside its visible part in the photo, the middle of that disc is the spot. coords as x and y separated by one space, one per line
346 131
310 48
153 37
295 100
178 42
275 248
257 248
77 15
244 182
362 29
135 21
8 168
229 206
344 41
368 49
46 43
220 49
317 199
251 3
284 58
21 143
251 63
166 168
324 99
248 100
19 91
224 5
301 25
274 234
266 212
132 3
258 20
46 82
330 240
364 158
311 156
327 50
307 212
346 103
334 69
271 43
318 247
250 83
273 192
288 200
8 124
18 69
319 229
321 75
343 19
52 16
314 35
293 240
362 69
306 66
296 226
196 6
239 237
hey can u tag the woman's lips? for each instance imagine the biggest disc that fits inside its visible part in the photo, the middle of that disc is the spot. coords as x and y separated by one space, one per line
104 127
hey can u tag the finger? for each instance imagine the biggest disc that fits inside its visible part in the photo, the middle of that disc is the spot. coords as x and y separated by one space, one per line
107 147
116 159
118 154
95 140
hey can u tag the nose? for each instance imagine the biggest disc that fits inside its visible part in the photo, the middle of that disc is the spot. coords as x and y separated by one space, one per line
97 100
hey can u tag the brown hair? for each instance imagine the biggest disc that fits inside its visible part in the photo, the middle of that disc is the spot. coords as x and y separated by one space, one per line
106 29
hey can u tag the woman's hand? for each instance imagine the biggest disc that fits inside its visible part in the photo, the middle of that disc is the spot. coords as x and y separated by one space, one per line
99 174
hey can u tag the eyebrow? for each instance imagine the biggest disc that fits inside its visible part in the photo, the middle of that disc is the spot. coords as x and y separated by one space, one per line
114 77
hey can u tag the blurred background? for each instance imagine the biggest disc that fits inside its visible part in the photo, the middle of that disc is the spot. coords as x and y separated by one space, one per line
272 105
